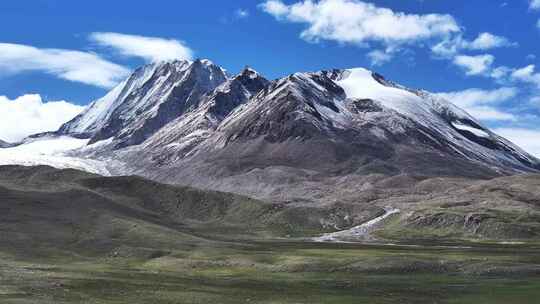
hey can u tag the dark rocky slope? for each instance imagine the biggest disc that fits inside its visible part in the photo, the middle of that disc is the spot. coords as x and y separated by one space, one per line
4 144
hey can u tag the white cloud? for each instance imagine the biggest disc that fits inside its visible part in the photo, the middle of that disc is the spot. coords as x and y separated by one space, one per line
275 8
475 65
500 72
527 74
149 48
358 22
534 4
242 13
524 73
70 65
475 96
447 48
528 139
490 114
482 65
378 57
364 24
481 103
28 114
486 41
452 45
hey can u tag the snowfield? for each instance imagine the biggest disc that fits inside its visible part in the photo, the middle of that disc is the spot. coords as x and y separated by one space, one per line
51 151
360 83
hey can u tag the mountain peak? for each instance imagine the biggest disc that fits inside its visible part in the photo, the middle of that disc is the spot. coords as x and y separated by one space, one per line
236 91
204 61
249 72
251 80
152 96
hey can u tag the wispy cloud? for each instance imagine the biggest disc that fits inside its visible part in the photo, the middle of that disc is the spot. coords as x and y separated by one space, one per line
275 8
486 113
527 74
486 41
472 97
474 65
77 66
452 45
28 114
534 4
525 138
242 13
491 106
482 104
378 57
149 48
482 65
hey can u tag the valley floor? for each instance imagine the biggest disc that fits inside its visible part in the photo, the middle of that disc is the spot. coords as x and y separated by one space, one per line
278 272
68 236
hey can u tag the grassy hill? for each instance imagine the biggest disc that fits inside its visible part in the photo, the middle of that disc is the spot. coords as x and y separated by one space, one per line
73 237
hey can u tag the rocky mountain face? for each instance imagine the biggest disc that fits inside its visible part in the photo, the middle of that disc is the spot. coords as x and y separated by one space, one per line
187 131
303 138
4 144
153 96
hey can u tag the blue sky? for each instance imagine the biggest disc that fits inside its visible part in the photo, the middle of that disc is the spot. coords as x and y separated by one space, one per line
482 54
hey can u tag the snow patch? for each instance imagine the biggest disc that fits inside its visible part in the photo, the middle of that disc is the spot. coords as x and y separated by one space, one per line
51 151
359 83
358 231
475 131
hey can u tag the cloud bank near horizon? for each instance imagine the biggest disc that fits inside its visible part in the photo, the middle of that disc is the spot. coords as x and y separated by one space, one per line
28 114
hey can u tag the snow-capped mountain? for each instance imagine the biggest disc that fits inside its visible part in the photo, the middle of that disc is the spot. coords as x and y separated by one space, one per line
183 134
153 96
298 136
355 113
441 120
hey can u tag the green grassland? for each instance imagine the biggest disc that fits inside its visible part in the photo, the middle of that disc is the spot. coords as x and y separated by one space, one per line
69 237
277 272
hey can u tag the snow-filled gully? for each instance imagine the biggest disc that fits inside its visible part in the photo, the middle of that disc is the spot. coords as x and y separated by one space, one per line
357 231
